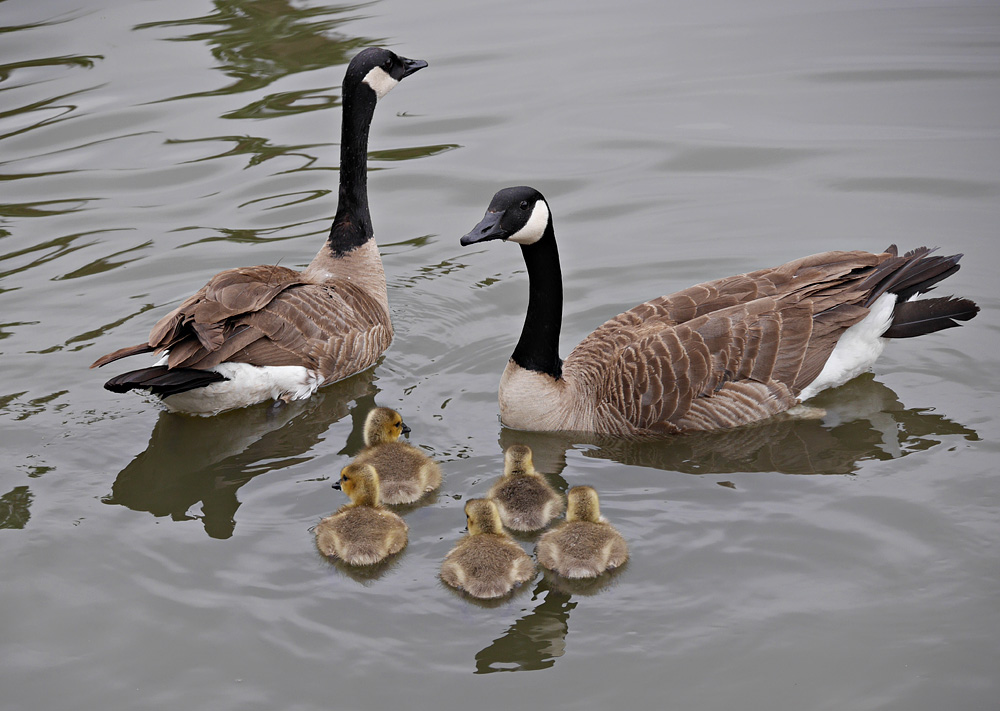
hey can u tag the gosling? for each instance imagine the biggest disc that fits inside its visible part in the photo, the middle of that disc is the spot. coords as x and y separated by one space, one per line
525 500
486 563
585 545
405 472
361 532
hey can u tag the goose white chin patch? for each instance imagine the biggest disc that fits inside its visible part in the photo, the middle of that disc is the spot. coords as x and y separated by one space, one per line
535 226
380 82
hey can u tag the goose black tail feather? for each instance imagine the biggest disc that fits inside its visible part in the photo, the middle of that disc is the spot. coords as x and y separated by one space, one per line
163 381
914 273
915 318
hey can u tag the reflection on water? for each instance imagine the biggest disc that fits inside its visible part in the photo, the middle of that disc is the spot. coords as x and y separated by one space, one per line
257 42
534 641
864 420
207 459
14 507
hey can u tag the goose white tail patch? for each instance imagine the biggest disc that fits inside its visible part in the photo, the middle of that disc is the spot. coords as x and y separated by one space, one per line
380 81
534 228
247 385
857 349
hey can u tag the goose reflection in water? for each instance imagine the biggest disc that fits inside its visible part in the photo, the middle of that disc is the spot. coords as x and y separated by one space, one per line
534 641
863 420
207 459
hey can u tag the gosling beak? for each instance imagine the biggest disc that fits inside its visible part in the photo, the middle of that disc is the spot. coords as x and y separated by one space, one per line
336 485
489 228
406 429
412 65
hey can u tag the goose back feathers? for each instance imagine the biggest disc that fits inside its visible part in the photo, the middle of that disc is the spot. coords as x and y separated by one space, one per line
486 563
585 545
361 532
715 355
256 333
405 472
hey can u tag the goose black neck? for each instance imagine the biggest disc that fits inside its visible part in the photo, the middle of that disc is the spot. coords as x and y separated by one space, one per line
352 226
538 347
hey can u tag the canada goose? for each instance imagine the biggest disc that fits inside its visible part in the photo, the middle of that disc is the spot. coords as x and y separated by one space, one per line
717 355
361 532
585 544
486 562
405 473
268 332
525 500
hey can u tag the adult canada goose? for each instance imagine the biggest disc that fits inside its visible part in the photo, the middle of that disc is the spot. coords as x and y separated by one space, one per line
585 544
268 332
525 500
486 563
361 532
717 355
405 473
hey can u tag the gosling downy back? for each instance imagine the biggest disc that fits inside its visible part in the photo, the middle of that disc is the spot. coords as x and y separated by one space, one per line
267 332
406 474
361 532
585 545
526 501
716 355
486 563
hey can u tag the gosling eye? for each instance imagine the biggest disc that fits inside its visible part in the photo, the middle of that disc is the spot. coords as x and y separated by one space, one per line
524 204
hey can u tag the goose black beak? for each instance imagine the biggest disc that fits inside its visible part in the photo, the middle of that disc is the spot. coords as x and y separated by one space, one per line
412 65
406 428
489 228
336 485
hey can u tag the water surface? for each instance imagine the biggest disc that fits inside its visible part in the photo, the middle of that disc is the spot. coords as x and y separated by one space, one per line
153 560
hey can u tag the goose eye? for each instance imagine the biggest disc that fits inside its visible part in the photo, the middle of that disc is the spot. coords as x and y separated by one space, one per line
524 204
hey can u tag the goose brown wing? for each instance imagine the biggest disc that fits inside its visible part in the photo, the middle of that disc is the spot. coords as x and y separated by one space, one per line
726 352
268 316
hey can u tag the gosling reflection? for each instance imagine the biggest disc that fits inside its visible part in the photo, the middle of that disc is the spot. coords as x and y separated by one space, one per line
863 420
207 459
534 641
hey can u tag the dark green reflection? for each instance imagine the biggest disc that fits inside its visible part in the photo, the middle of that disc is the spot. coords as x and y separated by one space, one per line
84 61
207 459
14 507
864 421
257 42
534 641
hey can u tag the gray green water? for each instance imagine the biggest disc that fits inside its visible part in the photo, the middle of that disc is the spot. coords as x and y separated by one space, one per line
153 561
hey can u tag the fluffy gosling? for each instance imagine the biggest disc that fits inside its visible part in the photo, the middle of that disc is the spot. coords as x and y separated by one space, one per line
525 500
486 563
405 473
585 545
361 532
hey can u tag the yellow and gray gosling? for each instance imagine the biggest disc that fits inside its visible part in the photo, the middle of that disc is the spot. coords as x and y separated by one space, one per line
405 473
585 545
486 562
525 500
361 532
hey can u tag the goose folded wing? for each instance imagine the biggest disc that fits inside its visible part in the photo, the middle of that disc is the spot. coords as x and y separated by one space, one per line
731 367
205 317
323 327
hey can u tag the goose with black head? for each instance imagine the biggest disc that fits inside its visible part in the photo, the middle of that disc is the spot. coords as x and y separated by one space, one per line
720 354
254 334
